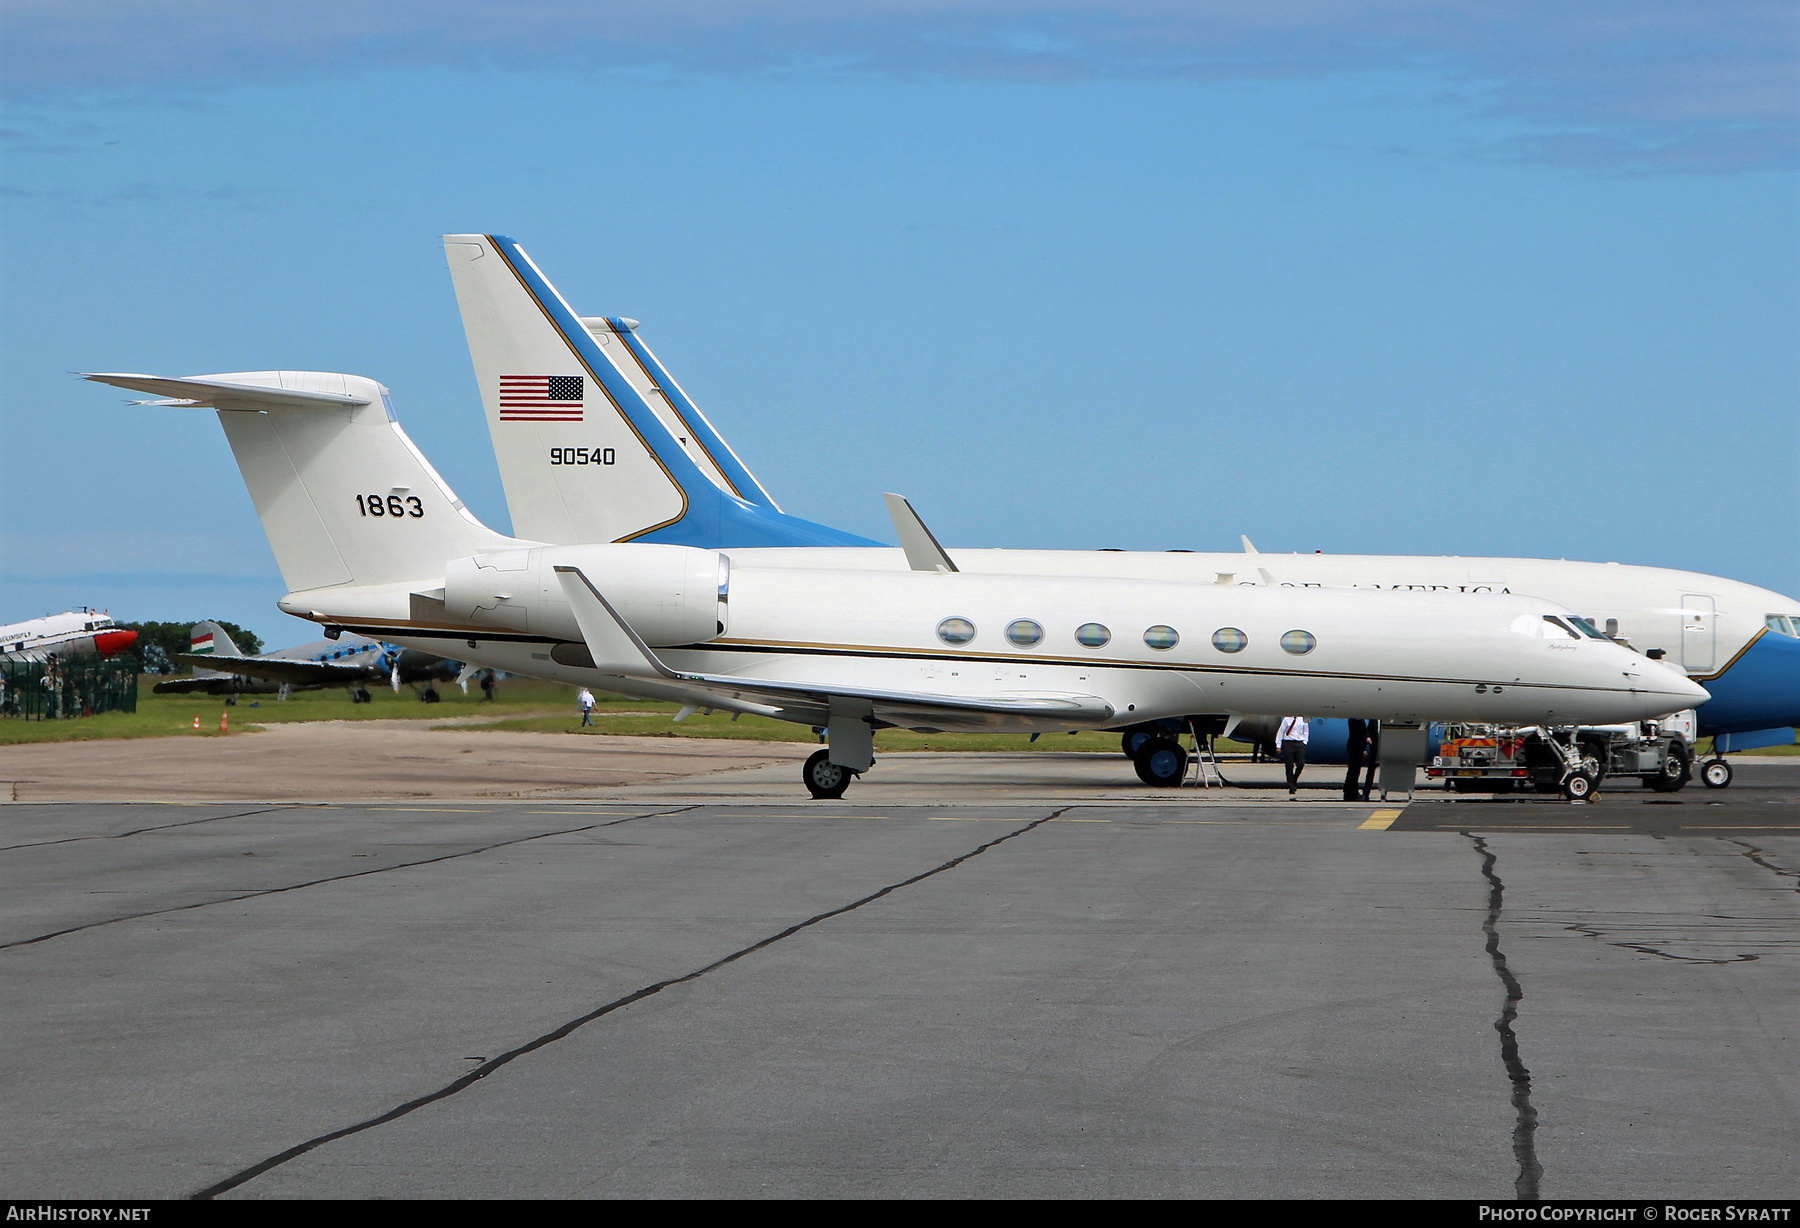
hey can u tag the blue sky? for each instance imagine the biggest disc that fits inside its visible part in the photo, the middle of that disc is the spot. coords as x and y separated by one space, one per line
1383 277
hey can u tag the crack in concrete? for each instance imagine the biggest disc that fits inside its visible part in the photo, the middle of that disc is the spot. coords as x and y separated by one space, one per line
1595 932
138 831
335 878
1524 1133
1759 856
637 995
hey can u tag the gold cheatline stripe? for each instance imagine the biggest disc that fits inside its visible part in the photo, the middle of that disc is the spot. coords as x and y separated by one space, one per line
1734 660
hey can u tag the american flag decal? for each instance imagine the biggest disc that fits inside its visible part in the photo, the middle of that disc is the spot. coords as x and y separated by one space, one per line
540 398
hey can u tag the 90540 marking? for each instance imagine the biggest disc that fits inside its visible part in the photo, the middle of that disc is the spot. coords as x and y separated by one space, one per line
581 456
390 505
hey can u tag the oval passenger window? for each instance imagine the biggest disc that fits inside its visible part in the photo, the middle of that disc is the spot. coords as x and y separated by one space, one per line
1093 635
1298 642
1161 637
1024 632
1230 639
956 631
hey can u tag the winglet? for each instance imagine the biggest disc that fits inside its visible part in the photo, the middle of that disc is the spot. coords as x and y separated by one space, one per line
923 553
615 647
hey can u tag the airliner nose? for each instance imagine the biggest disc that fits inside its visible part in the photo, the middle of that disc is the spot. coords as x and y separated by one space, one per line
112 643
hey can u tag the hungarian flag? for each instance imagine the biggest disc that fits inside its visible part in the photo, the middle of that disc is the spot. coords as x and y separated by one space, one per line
541 398
203 643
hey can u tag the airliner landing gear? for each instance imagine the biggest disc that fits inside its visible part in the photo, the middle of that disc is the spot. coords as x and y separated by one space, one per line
1715 774
1161 761
825 779
360 695
429 695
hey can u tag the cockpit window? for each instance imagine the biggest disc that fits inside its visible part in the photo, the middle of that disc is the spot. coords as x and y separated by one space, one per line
1554 621
1586 627
1780 624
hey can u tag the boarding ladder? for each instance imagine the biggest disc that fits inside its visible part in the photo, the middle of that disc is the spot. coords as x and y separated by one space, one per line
1203 765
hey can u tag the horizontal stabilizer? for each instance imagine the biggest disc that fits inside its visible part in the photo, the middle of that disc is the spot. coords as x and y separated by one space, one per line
619 650
219 394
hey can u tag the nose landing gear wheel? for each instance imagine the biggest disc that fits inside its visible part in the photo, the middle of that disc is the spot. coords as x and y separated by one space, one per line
823 777
1161 762
1715 774
1580 787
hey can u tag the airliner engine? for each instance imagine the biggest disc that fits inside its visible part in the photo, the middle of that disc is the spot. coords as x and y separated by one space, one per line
670 595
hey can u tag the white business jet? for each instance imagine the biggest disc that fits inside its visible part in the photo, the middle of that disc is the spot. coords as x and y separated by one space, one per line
371 540
633 459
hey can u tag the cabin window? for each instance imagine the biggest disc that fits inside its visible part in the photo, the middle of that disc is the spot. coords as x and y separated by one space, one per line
1161 638
956 631
1230 639
1024 632
1779 624
1092 635
1298 642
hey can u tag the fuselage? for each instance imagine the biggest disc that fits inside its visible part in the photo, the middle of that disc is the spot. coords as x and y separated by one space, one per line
1148 649
62 634
1738 640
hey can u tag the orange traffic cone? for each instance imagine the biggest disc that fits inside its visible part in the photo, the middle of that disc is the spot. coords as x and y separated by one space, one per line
196 722
223 717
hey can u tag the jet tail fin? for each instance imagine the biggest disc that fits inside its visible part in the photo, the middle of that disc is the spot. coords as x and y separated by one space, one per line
344 496
595 442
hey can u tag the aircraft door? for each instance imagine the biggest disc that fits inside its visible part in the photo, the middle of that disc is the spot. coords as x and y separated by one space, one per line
1699 632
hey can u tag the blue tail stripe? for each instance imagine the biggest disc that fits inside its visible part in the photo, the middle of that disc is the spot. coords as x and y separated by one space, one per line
697 422
712 519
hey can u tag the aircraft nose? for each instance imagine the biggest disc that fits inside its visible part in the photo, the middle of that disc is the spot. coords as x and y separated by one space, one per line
1658 679
112 643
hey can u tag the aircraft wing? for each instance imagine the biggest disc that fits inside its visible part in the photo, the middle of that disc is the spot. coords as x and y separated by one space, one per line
189 686
617 649
283 669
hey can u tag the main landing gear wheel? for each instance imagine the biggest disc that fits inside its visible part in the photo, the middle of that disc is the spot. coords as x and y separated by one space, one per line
1715 774
430 695
360 696
1161 762
823 777
1580 787
1132 741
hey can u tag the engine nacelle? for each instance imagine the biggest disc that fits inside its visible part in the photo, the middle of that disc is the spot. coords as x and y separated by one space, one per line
671 595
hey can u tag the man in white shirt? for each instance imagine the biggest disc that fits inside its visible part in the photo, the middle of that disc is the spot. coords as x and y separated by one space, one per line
1290 744
586 700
